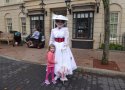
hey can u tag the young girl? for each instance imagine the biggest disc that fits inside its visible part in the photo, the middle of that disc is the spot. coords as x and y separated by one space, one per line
50 64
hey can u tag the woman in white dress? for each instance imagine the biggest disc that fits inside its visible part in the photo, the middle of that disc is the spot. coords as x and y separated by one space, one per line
63 55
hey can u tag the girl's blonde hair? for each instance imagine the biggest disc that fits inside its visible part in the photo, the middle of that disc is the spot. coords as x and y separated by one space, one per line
51 45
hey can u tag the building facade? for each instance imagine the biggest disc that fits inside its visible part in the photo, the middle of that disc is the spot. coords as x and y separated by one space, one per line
86 22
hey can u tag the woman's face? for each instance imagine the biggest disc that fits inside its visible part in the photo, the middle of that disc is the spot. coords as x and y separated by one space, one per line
59 23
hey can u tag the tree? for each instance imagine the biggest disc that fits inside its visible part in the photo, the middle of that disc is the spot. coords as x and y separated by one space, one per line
105 56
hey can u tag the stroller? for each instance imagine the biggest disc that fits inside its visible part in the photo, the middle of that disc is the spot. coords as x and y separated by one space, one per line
17 39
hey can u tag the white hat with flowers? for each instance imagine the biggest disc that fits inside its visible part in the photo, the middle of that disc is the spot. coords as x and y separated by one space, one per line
59 17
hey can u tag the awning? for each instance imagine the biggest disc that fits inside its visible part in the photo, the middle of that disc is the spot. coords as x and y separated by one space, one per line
35 11
83 7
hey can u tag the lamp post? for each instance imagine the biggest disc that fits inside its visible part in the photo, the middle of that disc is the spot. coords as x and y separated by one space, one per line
42 6
97 5
68 2
22 7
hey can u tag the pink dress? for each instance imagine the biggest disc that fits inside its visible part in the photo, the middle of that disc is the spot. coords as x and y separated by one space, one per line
50 65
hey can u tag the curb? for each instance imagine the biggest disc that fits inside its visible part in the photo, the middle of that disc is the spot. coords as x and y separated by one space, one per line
101 71
84 69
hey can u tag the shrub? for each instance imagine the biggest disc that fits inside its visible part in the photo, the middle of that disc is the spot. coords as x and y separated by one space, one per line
113 46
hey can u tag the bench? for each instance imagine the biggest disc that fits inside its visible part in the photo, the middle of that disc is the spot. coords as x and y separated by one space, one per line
4 36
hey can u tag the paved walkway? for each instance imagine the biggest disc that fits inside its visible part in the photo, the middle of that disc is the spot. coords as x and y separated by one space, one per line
84 57
22 75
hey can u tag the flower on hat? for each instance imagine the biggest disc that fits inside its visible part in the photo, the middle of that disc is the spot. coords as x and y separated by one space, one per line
59 17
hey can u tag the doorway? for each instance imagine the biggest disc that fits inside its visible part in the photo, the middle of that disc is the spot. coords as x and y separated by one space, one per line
37 21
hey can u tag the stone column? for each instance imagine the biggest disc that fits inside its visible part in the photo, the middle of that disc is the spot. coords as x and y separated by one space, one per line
47 27
69 25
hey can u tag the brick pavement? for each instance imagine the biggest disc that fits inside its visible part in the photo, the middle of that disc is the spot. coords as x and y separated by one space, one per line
84 57
22 75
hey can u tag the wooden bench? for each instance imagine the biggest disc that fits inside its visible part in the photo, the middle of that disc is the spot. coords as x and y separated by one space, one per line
6 37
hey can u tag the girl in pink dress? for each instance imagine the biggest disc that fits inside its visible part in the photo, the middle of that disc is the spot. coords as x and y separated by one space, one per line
50 64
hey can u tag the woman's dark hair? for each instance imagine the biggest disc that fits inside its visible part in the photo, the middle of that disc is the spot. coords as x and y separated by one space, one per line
63 21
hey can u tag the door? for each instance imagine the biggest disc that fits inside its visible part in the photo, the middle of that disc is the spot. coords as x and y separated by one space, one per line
37 21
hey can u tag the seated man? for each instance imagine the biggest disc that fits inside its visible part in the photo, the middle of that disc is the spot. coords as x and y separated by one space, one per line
34 38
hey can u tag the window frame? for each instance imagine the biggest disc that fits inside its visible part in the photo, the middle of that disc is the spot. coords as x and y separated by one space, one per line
7 1
114 23
23 25
9 24
90 23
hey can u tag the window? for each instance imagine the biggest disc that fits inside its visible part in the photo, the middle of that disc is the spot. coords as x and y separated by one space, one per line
23 25
83 25
113 24
37 22
7 1
9 24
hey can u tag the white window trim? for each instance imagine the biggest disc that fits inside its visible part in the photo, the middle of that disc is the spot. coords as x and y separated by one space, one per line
21 26
118 25
7 24
7 1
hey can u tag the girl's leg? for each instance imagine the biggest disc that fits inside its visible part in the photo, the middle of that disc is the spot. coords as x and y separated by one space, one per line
48 72
47 75
52 73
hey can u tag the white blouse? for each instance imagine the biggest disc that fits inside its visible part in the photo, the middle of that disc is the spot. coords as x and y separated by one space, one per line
59 33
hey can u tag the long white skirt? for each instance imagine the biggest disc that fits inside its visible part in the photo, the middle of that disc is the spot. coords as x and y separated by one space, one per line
65 60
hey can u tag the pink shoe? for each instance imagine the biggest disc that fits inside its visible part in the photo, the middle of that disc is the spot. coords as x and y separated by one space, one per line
47 82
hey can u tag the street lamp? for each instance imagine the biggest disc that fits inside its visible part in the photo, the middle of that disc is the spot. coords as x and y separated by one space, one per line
42 6
22 7
68 2
97 5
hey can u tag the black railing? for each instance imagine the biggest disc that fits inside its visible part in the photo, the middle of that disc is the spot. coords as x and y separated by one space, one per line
117 42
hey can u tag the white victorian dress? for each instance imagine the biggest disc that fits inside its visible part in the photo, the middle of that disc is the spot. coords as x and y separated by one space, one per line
63 55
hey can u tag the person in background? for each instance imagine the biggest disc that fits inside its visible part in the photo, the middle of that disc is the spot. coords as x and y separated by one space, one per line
34 38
